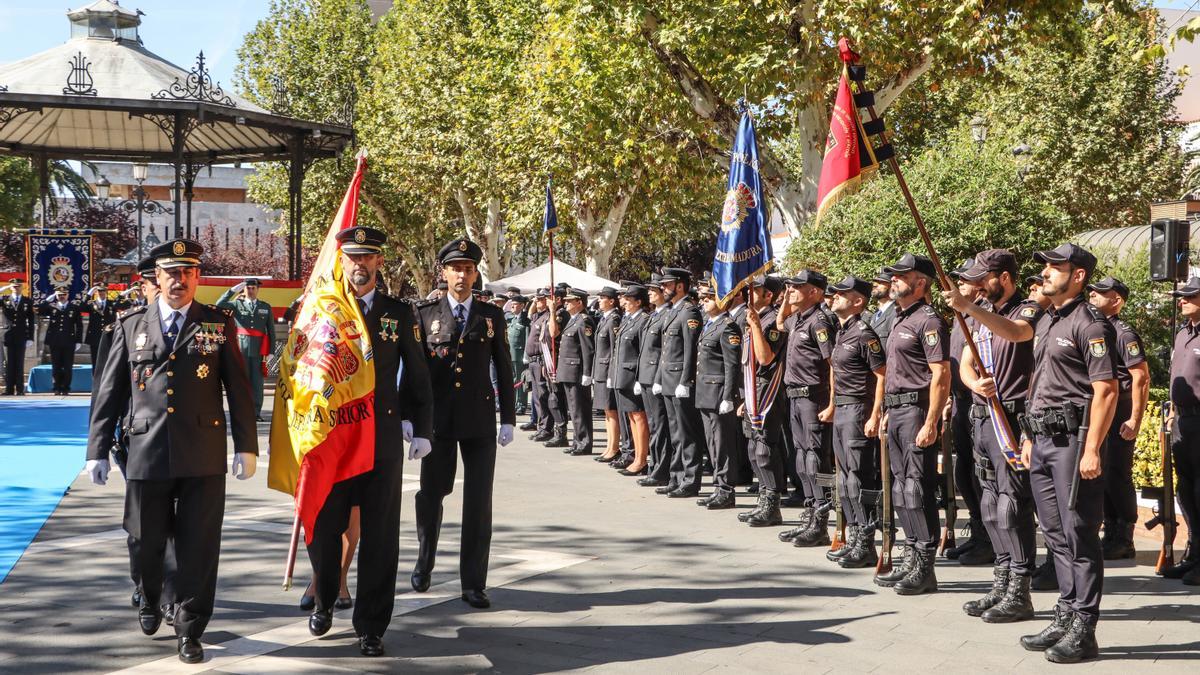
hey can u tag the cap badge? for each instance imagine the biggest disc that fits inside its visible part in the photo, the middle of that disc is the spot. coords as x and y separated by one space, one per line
179 248
360 236
462 245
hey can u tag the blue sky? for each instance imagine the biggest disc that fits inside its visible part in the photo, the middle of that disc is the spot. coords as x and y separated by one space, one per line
174 29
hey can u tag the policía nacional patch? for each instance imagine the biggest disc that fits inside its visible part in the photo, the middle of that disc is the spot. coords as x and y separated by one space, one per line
1133 348
822 335
1028 313
874 346
931 337
693 323
1097 347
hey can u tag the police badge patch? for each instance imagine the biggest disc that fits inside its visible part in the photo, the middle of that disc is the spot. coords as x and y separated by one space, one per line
1133 348
822 335
1097 347
931 338
735 340
693 323
1028 313
874 346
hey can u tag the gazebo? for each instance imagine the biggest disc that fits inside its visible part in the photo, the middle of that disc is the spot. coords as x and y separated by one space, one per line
103 96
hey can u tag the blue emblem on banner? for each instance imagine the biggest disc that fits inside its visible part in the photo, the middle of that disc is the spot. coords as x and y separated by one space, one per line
744 243
59 261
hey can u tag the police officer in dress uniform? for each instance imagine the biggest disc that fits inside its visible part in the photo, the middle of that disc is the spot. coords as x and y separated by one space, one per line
859 367
764 411
1185 427
538 314
884 316
403 410
164 373
64 330
718 369
255 332
624 376
676 381
17 310
662 450
551 336
1074 362
916 388
101 313
806 385
576 348
603 395
1002 325
463 339
1109 295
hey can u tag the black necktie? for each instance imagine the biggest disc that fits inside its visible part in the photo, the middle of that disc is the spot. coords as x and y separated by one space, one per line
172 330
460 319
362 307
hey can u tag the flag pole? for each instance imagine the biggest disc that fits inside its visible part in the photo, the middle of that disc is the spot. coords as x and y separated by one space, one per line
553 300
993 401
291 557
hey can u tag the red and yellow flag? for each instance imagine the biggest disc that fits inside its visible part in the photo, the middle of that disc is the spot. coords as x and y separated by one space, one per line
323 428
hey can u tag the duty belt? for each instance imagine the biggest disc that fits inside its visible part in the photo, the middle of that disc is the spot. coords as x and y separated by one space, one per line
806 391
907 398
981 411
840 399
1059 421
984 469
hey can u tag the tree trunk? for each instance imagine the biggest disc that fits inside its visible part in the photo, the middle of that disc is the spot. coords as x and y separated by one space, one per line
483 230
417 253
599 234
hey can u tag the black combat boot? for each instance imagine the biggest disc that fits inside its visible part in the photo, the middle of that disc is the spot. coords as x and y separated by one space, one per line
559 439
806 518
862 552
1079 643
1051 634
973 526
1118 542
921 579
769 515
747 515
902 565
851 537
999 587
1016 605
528 426
981 552
1189 562
817 534
1044 577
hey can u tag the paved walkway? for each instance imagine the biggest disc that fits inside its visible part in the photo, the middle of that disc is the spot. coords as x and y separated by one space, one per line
589 571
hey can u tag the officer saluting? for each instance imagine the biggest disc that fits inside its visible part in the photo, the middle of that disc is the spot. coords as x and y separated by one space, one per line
18 327
255 332
64 330
463 340
1074 389
166 368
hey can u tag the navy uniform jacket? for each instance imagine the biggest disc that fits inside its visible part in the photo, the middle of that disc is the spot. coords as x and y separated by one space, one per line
606 338
64 327
681 332
172 396
628 351
575 347
98 320
651 340
882 325
396 340
18 319
460 369
718 363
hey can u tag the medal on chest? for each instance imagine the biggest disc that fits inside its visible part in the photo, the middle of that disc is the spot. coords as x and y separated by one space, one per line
490 331
140 341
389 329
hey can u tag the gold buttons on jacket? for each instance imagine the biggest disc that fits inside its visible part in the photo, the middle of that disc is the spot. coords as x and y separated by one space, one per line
172 357
458 384
216 423
170 373
170 391
458 370
170 410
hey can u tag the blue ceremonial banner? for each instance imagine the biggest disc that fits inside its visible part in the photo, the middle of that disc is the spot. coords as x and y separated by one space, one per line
550 218
744 243
53 261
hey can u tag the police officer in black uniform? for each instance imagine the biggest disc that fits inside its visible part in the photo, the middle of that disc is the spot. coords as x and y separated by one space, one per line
1002 326
718 370
881 319
575 349
916 388
403 410
551 336
17 310
624 376
662 450
464 338
1074 386
806 384
164 373
1185 427
676 381
102 312
1109 295
764 411
64 330
859 367
604 397
539 314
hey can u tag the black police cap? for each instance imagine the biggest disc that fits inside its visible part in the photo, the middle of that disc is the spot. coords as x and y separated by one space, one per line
460 249
912 263
852 284
1110 284
252 281
1189 290
992 260
519 298
577 293
655 281
675 274
1068 253
882 277
361 240
957 272
608 292
811 277
145 266
769 282
177 253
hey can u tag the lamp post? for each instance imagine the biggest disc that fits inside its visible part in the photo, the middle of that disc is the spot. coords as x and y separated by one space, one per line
137 203
1022 155
979 130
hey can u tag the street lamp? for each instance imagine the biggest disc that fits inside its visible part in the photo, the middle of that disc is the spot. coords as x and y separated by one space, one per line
1022 155
979 130
137 203
102 188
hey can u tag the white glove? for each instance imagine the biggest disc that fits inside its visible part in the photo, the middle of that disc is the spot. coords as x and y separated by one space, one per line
98 468
608 383
28 344
586 381
77 347
419 448
406 430
505 436
637 388
725 408
681 391
239 287
656 389
244 464
525 360
93 289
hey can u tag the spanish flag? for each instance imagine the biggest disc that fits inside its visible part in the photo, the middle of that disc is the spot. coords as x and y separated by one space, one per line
847 154
323 427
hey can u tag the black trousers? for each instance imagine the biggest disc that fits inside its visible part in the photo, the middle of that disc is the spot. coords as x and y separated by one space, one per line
1072 535
914 476
1006 503
61 361
541 395
1185 450
687 435
579 404
720 432
807 433
558 404
1120 497
170 566
437 481
765 450
378 495
14 367
961 429
853 451
191 511
661 449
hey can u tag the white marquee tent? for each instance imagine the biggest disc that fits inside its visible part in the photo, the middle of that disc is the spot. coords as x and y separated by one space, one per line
539 277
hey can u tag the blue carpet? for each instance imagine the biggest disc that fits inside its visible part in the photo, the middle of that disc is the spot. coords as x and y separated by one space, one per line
42 450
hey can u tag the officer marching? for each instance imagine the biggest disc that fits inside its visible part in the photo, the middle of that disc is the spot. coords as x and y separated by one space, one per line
255 332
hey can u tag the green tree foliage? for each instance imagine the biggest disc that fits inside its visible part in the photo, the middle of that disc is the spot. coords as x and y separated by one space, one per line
18 192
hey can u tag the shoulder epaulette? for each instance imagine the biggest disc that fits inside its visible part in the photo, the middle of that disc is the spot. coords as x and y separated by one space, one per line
222 310
135 311
1096 314
425 303
929 311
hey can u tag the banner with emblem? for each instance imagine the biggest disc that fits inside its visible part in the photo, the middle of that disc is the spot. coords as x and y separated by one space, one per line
744 241
323 428
54 261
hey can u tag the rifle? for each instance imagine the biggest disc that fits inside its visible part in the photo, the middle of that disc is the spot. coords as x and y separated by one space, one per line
1164 512
949 498
887 520
839 530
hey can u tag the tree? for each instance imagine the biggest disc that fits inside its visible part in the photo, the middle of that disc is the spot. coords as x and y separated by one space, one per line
18 192
96 215
779 53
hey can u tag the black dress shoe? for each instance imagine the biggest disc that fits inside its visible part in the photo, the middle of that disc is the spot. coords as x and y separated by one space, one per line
149 618
682 493
580 452
665 489
190 650
721 500
136 598
370 645
606 460
168 612
420 581
344 603
627 472
477 599
320 622
651 482
307 603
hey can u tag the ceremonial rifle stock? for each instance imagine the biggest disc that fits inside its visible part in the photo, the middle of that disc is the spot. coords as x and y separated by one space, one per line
887 524
949 498
1165 512
291 557
839 534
